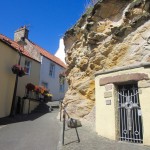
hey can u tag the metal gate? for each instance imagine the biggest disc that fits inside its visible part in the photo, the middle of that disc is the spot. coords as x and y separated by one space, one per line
130 116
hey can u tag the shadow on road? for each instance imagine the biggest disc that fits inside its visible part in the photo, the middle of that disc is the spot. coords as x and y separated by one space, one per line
20 118
38 112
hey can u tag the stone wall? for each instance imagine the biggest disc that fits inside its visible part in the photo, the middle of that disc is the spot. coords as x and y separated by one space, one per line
114 34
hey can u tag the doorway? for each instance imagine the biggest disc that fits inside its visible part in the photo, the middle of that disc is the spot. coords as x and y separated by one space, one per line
130 115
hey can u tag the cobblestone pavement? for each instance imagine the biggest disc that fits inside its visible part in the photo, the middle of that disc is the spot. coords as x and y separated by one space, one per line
91 141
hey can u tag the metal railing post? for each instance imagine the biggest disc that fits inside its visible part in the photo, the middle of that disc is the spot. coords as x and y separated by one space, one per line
64 120
60 110
77 134
64 113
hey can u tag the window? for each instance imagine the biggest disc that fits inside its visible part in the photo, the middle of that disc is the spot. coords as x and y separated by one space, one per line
52 70
61 83
27 66
61 87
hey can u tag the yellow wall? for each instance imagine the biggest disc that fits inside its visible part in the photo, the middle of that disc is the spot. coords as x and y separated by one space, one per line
33 78
8 58
107 115
144 97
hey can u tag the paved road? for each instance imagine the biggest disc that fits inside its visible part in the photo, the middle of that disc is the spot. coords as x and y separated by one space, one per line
35 132
91 141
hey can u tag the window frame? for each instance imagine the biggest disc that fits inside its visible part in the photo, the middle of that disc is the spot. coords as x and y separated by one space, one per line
27 67
52 69
61 88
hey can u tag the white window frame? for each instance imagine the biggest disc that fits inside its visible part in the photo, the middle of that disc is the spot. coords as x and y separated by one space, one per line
27 67
52 70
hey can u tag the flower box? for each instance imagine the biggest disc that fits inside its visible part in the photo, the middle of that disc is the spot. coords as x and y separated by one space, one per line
38 92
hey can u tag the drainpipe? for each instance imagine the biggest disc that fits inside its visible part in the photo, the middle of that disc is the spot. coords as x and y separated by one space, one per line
12 112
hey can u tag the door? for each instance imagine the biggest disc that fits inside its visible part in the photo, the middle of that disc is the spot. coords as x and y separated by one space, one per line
130 116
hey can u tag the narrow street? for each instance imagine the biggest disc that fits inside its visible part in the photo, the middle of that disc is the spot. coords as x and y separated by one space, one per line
34 132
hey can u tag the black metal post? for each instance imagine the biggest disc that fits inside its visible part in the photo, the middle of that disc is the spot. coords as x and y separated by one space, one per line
12 112
60 110
77 134
64 120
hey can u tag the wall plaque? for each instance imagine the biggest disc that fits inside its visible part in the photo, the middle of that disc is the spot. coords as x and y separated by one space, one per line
108 102
107 94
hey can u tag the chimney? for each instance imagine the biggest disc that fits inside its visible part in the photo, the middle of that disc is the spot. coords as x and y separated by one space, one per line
21 34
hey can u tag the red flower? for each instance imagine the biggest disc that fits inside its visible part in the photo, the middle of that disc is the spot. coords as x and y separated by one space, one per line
30 87
42 89
17 69
36 89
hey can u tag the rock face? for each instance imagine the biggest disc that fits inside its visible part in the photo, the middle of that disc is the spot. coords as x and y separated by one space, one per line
115 33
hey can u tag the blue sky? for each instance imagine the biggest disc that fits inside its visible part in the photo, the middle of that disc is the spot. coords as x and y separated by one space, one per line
48 19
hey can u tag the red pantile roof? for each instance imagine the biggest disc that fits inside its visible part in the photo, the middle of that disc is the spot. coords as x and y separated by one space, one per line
15 45
42 51
49 56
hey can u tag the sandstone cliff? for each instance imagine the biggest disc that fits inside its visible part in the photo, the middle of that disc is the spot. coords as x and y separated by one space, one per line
115 33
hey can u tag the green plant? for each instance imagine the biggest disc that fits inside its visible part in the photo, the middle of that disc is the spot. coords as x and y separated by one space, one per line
62 77
90 5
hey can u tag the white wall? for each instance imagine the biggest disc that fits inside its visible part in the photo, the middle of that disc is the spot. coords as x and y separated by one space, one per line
53 82
60 53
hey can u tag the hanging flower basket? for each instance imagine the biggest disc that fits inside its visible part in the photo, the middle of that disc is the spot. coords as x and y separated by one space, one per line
21 72
17 69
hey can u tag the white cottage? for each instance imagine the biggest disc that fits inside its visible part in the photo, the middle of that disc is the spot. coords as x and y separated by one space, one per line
51 66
